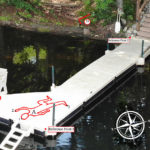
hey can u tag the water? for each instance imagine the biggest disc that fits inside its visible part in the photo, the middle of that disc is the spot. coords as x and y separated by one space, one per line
29 57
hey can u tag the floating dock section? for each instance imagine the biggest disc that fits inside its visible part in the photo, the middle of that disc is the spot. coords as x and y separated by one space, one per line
35 110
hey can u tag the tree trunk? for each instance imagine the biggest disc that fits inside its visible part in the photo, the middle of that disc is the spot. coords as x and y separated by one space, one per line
139 8
138 15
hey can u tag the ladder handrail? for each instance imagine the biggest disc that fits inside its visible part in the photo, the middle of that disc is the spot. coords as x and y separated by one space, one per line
18 138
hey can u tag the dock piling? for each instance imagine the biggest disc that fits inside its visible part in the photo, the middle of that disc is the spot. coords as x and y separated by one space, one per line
53 75
142 51
141 60
53 118
107 46
53 78
107 51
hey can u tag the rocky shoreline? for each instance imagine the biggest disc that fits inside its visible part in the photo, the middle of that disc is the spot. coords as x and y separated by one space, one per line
87 32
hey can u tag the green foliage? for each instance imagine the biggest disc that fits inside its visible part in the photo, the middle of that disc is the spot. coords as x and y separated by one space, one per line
51 11
25 14
42 54
43 20
5 18
23 4
2 1
87 3
28 55
129 9
59 23
104 10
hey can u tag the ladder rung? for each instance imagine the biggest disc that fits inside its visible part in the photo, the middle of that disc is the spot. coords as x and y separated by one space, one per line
5 148
18 130
15 136
10 143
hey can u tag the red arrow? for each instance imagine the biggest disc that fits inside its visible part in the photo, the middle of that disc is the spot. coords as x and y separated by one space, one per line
83 18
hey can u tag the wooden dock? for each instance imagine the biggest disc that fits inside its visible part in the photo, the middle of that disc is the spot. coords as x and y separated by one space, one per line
35 109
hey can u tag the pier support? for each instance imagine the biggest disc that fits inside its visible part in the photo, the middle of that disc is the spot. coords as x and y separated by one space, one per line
141 60
107 51
53 79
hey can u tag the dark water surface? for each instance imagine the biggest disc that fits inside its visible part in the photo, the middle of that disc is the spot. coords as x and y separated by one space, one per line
29 56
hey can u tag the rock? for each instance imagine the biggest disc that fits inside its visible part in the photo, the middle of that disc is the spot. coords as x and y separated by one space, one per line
123 21
134 26
21 19
125 29
77 2
86 31
129 31
134 32
96 36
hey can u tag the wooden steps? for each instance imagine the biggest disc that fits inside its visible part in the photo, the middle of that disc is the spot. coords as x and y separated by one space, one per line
144 34
147 19
146 24
145 29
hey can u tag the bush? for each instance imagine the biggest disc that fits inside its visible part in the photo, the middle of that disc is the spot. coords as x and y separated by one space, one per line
104 10
25 15
129 9
2 1
24 4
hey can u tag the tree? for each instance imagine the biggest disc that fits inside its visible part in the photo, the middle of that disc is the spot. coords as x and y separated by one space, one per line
140 5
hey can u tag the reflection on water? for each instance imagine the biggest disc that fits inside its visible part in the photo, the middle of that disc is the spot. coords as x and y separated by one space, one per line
29 57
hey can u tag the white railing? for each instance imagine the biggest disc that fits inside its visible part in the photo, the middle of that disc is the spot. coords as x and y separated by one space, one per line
3 80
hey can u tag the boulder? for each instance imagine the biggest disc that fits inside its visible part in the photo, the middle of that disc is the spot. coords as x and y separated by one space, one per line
125 29
123 21
86 31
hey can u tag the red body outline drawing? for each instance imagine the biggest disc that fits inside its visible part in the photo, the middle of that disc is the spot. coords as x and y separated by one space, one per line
47 102
83 18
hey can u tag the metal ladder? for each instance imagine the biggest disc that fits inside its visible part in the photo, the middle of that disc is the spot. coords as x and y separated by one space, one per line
14 137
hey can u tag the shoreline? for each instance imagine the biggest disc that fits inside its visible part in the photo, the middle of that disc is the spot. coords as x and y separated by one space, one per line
55 29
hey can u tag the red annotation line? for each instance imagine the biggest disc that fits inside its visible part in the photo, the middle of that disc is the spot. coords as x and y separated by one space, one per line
83 18
44 106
